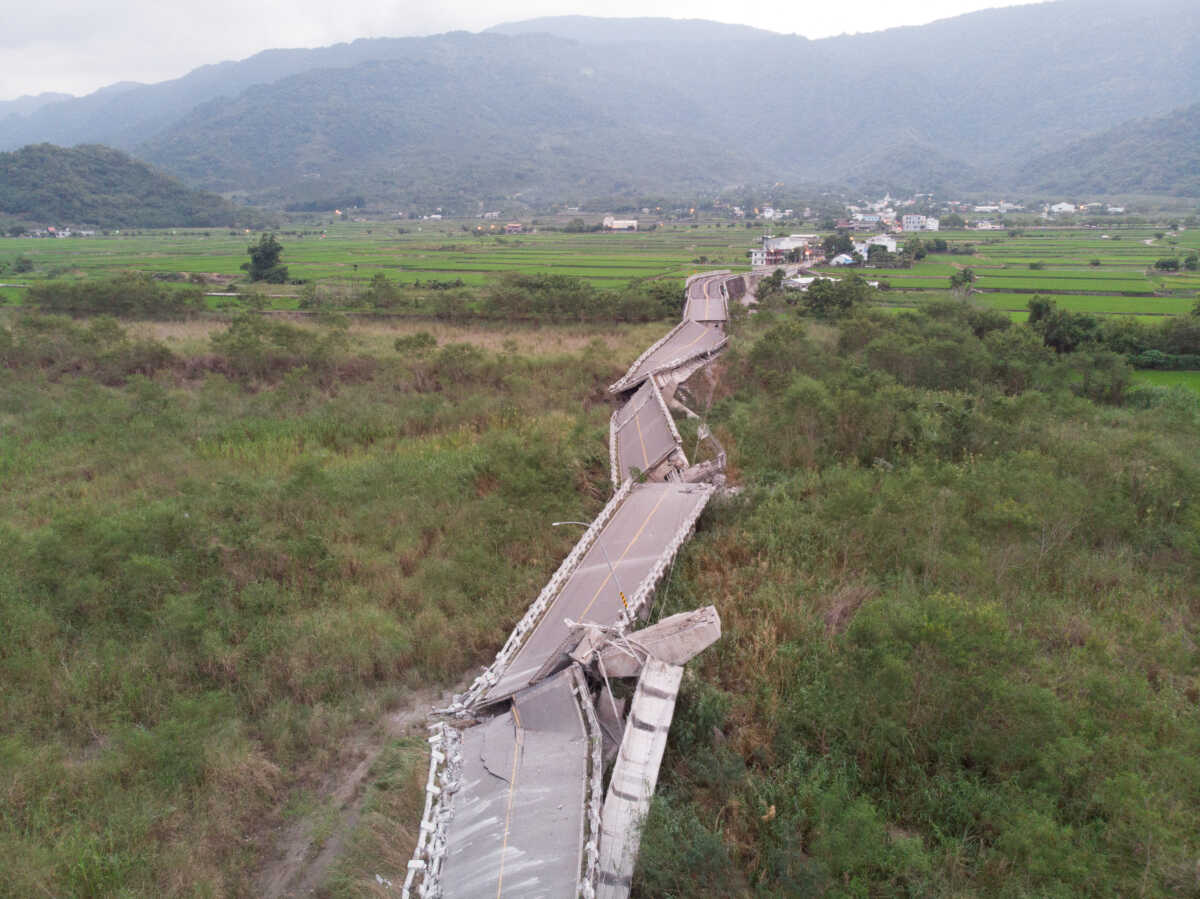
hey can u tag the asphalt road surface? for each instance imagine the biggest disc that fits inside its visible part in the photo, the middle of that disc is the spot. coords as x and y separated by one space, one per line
686 341
518 827
705 301
638 535
643 433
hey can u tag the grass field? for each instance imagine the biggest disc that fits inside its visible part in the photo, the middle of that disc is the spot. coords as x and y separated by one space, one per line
1188 379
957 593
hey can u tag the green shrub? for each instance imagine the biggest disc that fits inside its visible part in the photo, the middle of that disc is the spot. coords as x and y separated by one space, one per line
129 295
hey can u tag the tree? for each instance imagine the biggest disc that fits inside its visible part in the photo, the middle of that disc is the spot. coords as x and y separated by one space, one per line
835 244
769 290
381 293
962 279
953 220
826 298
914 248
1168 264
21 265
264 261
1062 331
1192 262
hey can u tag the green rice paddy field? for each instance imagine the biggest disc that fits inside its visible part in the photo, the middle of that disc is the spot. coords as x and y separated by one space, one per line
1086 270
358 252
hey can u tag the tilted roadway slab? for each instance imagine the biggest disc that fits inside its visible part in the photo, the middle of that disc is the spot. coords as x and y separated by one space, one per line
642 534
706 299
641 433
520 813
686 341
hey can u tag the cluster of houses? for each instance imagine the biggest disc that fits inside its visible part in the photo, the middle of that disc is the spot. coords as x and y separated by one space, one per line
1064 208
806 248
887 218
52 231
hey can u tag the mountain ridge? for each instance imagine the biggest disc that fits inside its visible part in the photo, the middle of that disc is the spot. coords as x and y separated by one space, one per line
520 110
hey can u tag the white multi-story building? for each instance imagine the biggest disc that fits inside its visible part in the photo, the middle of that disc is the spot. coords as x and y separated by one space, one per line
913 222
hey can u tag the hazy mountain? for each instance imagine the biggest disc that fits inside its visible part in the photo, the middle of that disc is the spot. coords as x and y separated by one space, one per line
1158 155
462 116
127 114
23 106
569 107
94 185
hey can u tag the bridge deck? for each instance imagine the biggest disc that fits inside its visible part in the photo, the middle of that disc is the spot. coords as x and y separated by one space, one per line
642 432
639 540
706 299
686 341
520 822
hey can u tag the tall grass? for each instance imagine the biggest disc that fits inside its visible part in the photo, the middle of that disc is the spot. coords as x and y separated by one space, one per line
214 571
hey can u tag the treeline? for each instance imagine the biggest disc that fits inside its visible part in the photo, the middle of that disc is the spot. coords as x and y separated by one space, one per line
127 295
1173 343
513 297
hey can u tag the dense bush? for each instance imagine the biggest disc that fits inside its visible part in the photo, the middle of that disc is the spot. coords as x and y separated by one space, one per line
958 605
129 295
210 594
100 349
564 298
257 347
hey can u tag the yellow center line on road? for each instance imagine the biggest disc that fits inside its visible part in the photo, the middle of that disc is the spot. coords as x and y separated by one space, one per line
637 419
632 541
518 741
703 333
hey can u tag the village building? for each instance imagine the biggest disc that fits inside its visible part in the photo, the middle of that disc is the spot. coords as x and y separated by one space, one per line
775 250
913 222
863 248
612 223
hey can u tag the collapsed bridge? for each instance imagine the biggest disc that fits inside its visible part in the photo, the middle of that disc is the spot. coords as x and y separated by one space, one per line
515 803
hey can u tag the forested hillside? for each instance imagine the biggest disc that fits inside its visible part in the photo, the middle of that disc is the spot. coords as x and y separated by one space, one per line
94 185
463 116
1152 156
571 107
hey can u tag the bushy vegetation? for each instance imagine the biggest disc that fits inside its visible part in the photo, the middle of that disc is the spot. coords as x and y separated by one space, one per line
960 624
957 592
1173 343
213 571
127 295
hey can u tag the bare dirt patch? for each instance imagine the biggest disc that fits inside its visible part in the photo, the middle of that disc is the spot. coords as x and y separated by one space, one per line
304 850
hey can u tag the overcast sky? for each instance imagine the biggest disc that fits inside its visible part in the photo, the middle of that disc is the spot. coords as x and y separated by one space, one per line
72 46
